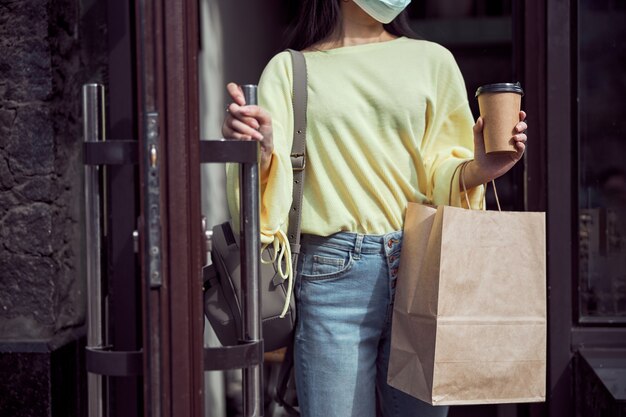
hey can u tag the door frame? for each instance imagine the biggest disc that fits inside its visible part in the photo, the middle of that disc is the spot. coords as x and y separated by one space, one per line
548 186
170 207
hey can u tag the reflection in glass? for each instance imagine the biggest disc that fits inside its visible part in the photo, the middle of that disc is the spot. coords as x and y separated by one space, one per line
602 160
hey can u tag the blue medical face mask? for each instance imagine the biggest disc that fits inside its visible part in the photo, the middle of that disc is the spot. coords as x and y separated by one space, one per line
383 10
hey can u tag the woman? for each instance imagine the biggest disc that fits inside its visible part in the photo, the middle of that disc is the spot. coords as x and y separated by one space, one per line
388 123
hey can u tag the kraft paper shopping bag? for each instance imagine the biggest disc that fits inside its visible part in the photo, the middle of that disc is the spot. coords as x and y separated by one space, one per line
469 320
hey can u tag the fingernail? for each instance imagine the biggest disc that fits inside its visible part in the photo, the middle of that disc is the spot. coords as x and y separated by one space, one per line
258 136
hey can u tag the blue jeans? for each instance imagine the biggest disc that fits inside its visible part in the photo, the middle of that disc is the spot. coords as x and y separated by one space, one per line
345 288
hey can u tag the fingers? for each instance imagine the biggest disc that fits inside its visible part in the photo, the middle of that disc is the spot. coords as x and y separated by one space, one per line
520 137
258 113
479 142
243 129
235 92
243 122
234 128
519 134
478 127
522 115
237 112
230 133
254 116
246 123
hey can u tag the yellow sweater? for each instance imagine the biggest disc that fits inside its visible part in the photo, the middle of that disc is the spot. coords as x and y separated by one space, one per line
387 123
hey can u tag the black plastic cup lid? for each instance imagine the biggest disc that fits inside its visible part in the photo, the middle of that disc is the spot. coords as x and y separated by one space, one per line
500 88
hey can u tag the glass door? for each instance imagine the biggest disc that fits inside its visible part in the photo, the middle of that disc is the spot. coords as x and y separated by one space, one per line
602 168
600 308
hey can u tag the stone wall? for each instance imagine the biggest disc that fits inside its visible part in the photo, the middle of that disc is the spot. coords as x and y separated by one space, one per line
44 61
40 172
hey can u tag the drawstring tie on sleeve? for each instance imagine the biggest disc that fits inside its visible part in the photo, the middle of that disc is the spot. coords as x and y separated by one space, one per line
282 252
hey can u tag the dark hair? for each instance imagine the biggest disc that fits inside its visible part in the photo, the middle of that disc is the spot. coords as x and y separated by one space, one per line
319 19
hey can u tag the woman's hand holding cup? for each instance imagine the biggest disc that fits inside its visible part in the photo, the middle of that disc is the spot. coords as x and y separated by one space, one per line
488 166
499 133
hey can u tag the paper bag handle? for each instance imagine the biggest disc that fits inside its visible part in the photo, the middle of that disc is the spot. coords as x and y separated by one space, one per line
493 183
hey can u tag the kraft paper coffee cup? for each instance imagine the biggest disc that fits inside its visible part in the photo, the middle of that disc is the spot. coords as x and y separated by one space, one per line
499 106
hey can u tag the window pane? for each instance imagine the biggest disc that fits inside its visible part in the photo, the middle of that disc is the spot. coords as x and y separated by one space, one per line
602 160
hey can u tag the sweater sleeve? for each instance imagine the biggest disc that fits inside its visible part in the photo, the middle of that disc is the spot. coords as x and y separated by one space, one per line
449 139
275 91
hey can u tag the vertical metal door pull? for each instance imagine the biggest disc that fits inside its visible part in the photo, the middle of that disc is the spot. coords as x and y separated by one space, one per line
250 267
93 131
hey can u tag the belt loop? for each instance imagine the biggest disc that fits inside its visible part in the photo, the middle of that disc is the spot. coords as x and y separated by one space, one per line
357 246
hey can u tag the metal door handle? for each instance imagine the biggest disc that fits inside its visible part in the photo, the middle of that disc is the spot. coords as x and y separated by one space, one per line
93 131
250 267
